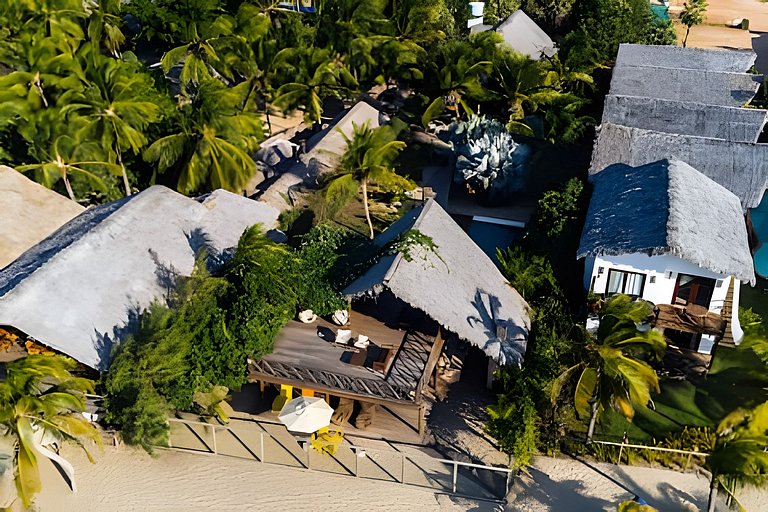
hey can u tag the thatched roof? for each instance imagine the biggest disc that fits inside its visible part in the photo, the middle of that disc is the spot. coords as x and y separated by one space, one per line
457 285
685 118
30 212
675 57
522 34
79 291
667 207
323 153
693 85
740 167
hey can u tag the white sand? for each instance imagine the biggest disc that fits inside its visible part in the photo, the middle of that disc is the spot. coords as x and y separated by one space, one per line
130 480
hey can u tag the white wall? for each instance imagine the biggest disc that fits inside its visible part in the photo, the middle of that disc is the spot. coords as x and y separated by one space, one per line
664 269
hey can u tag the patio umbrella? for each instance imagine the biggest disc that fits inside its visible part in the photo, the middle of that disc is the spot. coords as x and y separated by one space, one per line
305 414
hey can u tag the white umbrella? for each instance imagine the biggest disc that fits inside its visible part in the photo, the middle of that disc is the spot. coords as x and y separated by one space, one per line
305 414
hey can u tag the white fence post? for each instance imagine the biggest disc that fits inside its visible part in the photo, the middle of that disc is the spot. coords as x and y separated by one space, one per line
215 451
262 446
455 476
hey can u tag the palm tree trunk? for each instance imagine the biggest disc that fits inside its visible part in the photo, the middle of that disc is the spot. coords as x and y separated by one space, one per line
365 206
593 404
712 494
592 420
687 31
68 186
126 183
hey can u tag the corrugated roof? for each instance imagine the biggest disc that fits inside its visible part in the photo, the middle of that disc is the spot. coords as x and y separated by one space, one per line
666 207
457 285
29 212
79 289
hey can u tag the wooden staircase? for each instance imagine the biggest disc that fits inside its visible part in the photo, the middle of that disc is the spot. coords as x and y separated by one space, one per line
726 313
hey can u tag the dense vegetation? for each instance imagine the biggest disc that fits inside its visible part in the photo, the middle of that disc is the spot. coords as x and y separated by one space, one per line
84 113
213 323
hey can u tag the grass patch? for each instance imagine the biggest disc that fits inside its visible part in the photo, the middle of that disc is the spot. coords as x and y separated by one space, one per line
737 379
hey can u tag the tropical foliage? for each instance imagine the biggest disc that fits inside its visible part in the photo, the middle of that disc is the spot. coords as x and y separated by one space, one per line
738 457
41 405
368 159
186 352
613 371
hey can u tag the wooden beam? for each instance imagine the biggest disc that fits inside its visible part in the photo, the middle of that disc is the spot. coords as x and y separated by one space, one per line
434 355
255 376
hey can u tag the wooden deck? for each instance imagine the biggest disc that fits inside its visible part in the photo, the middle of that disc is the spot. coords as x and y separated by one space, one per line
303 358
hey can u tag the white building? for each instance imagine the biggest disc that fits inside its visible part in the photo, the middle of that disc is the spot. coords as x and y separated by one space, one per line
665 233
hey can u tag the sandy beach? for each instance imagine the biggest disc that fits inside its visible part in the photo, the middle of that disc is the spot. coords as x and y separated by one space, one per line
127 479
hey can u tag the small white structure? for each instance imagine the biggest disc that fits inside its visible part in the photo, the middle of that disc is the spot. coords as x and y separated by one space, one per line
665 233
522 34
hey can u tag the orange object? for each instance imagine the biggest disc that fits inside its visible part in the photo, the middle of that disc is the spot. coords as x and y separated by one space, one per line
307 392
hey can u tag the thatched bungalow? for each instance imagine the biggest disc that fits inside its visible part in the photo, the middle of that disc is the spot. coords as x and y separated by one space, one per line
416 305
666 233
81 289
740 167
30 212
686 103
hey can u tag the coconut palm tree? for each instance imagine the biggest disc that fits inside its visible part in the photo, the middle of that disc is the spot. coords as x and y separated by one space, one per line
213 141
369 158
455 77
317 75
117 105
40 407
739 455
68 158
613 371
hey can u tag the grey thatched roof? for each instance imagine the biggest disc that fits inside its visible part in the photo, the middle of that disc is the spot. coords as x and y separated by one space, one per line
457 285
28 213
740 167
80 289
693 85
323 153
667 207
522 34
685 118
730 61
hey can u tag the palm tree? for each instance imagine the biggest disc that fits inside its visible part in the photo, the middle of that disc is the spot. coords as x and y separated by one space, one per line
215 138
317 75
69 158
693 14
117 107
456 76
205 55
40 407
739 455
613 372
369 158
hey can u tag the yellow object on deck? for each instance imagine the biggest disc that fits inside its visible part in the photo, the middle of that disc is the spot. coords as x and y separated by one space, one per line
325 441
286 393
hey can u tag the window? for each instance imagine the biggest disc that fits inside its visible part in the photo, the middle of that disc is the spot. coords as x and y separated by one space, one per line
629 283
693 290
